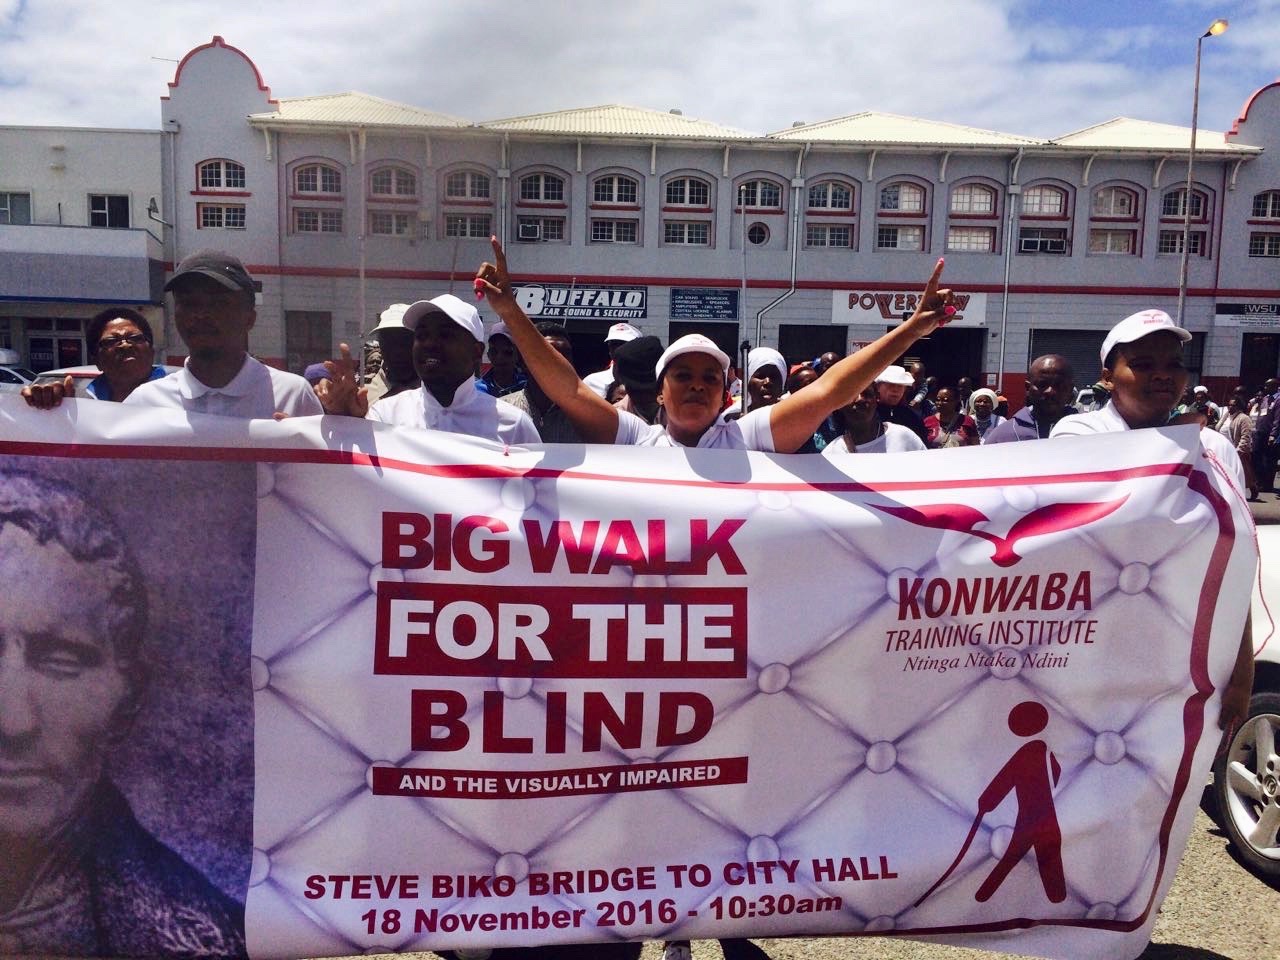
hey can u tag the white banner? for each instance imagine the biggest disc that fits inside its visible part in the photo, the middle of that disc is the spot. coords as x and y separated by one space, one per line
567 694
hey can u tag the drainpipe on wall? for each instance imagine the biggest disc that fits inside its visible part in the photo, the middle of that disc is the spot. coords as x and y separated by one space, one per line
504 174
364 310
1013 195
797 185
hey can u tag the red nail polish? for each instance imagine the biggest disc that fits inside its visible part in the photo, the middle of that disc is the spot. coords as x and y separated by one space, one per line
478 286
949 310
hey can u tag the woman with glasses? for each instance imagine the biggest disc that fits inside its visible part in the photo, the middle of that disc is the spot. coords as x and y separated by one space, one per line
122 345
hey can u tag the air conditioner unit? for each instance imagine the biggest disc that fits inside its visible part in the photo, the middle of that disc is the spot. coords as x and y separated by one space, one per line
529 231
1029 245
1055 246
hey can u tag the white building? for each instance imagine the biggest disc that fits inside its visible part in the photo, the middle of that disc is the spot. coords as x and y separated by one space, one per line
342 204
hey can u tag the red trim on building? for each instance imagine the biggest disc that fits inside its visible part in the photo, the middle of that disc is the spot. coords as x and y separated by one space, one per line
678 209
221 193
1244 111
271 270
822 213
219 42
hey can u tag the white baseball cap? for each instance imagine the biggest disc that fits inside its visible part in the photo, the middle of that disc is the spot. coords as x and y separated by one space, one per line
456 309
691 343
497 329
392 317
895 375
1200 388
1139 325
622 333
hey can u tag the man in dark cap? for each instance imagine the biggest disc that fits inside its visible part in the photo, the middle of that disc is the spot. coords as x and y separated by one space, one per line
213 309
633 367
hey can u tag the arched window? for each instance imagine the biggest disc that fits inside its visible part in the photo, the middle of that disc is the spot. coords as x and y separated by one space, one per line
902 197
1266 205
688 192
687 220
1174 204
392 181
542 188
830 195
1044 201
615 188
1044 225
759 195
221 175
467 185
829 215
1117 202
973 199
317 178
614 215
901 219
1173 215
1114 212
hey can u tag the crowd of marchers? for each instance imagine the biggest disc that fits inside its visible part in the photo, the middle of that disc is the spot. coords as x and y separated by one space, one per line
426 369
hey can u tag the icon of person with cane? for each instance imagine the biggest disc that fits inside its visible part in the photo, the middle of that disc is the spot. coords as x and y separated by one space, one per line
1031 773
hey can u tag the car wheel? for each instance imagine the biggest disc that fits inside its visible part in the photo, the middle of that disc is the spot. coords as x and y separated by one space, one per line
1246 785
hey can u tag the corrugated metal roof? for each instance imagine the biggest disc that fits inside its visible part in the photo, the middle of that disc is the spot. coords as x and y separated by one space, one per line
887 128
349 109
1124 133
616 120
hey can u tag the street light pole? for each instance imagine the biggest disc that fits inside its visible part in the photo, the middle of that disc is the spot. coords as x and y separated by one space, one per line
1215 29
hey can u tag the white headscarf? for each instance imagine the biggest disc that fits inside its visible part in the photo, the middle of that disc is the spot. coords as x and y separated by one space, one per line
983 392
762 357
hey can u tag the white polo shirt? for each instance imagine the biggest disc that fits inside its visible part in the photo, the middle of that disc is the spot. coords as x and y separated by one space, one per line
472 413
750 432
894 439
257 392
1108 420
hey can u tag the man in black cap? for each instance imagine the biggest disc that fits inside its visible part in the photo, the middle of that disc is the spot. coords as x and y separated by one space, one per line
213 309
633 367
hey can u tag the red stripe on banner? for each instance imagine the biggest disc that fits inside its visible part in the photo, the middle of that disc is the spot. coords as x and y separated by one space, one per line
568 782
476 471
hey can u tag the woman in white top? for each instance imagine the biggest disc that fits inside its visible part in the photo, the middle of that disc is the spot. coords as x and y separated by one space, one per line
865 432
692 375
1142 368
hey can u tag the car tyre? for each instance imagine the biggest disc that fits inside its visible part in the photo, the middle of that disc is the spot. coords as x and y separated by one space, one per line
1246 787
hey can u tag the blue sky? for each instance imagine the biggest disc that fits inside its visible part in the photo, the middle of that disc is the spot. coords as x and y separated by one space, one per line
1033 68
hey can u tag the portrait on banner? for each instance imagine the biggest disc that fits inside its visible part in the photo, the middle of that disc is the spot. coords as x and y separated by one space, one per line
125 713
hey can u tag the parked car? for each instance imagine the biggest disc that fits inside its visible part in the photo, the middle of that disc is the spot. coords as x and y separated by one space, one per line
82 376
1245 796
13 379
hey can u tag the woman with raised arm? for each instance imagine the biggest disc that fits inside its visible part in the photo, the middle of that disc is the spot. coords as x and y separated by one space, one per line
691 380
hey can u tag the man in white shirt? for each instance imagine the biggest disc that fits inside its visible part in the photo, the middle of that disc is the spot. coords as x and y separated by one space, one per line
213 309
1142 368
618 334
448 341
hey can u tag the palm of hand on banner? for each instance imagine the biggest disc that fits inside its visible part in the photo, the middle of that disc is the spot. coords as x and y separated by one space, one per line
342 394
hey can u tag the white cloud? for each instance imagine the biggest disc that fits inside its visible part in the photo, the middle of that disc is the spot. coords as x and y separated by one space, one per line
752 64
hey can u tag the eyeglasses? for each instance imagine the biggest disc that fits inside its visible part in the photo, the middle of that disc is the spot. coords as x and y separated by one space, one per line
133 340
